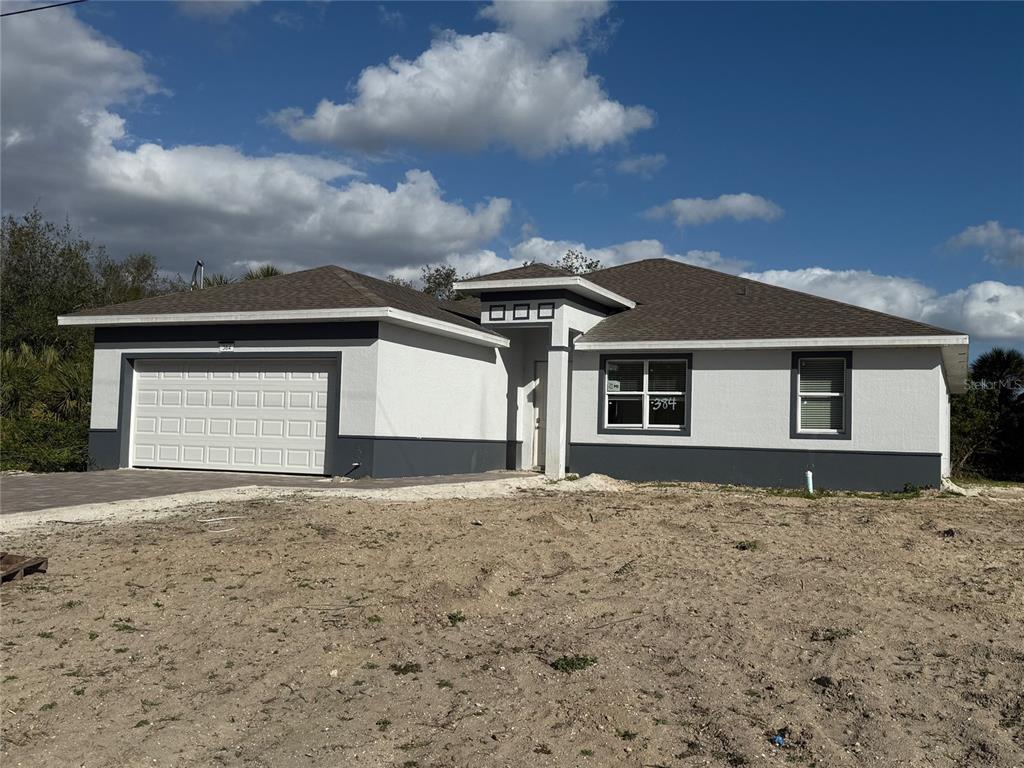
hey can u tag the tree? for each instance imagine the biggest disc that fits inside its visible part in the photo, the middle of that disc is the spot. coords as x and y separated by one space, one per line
987 422
439 281
576 262
396 280
216 279
258 273
48 270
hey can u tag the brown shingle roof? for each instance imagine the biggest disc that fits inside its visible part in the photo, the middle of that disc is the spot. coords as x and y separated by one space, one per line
681 302
537 269
329 287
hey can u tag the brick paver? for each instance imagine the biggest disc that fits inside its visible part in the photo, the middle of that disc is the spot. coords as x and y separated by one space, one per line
27 493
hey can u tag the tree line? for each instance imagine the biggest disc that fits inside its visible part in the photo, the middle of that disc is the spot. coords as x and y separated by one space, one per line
47 269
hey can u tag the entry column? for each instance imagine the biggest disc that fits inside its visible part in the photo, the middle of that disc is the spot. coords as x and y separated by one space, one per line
557 412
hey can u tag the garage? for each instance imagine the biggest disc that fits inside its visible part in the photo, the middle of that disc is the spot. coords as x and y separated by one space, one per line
244 415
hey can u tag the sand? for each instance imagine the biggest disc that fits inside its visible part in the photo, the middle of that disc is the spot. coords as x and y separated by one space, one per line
163 506
324 630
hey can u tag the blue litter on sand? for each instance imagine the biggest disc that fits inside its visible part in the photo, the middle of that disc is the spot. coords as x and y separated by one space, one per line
778 741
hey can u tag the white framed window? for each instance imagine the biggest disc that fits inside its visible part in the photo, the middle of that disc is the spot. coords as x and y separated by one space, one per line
648 394
821 396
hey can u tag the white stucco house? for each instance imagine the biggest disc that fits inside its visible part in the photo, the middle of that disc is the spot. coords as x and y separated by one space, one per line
654 370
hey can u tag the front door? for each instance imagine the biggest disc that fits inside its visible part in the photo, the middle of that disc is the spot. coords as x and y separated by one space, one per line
540 409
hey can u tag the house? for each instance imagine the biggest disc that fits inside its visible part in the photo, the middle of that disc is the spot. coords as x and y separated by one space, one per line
653 370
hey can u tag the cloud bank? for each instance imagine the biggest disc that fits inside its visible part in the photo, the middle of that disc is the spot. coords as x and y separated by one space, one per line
67 147
470 92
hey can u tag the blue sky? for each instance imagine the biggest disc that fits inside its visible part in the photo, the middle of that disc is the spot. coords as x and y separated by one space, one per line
868 152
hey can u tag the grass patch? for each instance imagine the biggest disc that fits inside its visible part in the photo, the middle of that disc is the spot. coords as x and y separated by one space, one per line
375 619
406 668
383 724
570 664
625 734
46 635
445 684
748 545
515 592
142 724
48 707
124 626
456 617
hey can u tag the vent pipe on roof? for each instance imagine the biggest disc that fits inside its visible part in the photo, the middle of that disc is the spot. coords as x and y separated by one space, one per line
197 276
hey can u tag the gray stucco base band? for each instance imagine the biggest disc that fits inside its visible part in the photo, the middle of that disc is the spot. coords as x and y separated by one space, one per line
105 449
411 456
766 468
375 456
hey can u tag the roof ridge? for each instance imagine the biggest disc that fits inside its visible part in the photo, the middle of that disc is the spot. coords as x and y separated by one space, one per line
350 279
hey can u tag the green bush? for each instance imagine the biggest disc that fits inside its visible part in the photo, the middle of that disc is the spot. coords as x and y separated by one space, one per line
44 410
39 444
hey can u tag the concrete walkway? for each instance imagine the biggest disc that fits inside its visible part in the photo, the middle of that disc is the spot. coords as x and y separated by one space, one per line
32 493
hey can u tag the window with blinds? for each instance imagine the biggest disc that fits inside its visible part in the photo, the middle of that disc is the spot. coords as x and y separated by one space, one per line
645 394
821 393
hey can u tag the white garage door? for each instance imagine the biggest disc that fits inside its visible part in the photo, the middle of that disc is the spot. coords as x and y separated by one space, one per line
249 415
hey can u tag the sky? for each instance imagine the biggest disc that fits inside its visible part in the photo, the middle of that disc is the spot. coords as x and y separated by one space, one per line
872 153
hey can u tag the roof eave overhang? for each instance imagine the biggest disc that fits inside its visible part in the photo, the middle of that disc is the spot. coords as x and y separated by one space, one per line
379 314
954 348
573 283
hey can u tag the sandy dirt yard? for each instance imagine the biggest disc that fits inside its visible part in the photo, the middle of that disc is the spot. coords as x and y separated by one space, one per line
660 626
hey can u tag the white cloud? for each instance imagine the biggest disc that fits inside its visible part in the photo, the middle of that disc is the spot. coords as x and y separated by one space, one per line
1001 245
67 149
214 10
693 211
540 249
641 165
986 310
469 92
546 25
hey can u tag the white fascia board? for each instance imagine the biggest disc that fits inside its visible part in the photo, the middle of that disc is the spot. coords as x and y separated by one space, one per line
573 283
381 314
803 343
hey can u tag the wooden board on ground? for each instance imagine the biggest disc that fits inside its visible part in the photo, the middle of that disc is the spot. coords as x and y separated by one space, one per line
16 566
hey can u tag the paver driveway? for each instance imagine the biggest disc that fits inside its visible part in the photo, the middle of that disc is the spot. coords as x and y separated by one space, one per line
28 493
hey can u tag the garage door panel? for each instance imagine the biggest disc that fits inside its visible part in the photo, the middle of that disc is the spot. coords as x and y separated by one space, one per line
255 415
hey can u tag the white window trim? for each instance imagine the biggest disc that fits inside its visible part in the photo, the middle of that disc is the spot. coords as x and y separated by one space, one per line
645 396
820 395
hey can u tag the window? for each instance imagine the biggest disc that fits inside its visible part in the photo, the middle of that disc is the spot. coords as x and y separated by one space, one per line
496 312
546 310
520 311
821 396
646 394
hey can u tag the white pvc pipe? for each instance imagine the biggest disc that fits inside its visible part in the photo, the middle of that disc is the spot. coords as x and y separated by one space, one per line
810 481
